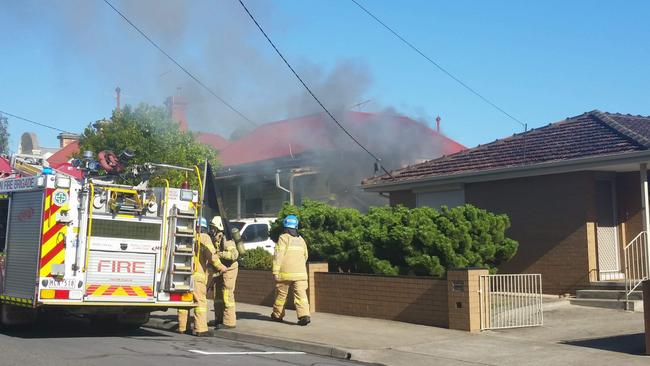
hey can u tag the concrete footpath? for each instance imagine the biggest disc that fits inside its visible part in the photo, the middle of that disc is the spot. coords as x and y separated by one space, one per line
571 335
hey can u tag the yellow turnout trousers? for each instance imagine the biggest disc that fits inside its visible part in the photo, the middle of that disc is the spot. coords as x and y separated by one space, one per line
300 299
200 311
224 298
207 254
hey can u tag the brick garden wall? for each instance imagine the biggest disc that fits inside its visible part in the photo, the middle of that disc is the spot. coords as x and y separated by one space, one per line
418 300
255 287
408 299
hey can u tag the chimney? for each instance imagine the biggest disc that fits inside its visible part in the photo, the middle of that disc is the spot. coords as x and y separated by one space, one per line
66 138
176 106
117 96
438 119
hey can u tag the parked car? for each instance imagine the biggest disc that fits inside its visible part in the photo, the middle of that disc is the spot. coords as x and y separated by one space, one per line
255 232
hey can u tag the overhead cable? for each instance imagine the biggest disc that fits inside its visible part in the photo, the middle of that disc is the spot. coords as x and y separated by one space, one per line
34 122
375 157
184 69
437 65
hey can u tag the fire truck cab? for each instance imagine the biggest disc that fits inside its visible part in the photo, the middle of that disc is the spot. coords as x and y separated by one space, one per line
94 248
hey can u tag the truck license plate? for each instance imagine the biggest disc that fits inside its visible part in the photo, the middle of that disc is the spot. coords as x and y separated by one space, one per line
63 284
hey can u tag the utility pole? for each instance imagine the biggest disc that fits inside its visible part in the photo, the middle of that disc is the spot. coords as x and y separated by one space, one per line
4 135
117 96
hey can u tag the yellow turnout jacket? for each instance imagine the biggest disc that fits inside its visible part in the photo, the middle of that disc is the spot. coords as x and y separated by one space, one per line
290 258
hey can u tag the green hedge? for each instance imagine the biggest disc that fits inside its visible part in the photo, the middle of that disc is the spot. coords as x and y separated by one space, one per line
397 240
257 258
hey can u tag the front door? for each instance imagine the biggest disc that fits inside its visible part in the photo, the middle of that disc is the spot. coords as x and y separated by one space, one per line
609 259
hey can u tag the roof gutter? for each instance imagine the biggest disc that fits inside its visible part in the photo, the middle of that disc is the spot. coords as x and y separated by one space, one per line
553 167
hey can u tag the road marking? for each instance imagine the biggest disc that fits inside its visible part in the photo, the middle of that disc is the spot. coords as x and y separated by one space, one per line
247 353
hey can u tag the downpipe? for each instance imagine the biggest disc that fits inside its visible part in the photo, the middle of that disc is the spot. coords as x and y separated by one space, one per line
277 184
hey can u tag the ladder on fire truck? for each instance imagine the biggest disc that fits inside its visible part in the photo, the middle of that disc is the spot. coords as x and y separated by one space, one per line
27 165
179 264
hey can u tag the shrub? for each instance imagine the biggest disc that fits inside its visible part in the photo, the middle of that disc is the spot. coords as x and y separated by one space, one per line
397 240
257 258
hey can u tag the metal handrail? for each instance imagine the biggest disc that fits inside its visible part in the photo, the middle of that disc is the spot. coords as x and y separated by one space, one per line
637 263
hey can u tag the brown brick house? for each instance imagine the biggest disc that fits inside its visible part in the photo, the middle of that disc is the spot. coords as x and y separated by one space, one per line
572 189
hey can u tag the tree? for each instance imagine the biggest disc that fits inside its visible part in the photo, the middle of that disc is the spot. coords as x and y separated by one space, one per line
257 258
4 135
398 240
154 138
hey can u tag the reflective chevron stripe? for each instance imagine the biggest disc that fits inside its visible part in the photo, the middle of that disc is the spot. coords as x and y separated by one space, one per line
16 301
118 290
54 234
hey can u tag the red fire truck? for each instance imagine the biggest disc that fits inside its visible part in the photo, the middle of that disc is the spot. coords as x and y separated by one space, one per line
93 247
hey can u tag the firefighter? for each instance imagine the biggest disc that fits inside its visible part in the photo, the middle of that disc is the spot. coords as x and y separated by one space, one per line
224 289
290 270
207 255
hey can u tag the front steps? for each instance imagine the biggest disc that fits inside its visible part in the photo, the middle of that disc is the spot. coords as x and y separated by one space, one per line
608 295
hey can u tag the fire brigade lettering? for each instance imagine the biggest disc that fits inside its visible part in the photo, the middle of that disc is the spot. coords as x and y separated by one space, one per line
18 184
120 266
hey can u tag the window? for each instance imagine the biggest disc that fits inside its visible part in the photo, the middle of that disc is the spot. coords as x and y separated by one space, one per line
125 229
443 198
253 206
255 232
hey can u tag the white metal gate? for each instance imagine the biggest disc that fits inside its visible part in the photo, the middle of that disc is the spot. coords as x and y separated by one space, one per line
511 301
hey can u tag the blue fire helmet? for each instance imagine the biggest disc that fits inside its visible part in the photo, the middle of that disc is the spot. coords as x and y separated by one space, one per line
291 222
203 222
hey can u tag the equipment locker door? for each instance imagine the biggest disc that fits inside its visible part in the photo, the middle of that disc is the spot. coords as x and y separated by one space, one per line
122 259
23 244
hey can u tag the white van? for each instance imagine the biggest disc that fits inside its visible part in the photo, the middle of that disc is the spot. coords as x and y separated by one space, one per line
255 232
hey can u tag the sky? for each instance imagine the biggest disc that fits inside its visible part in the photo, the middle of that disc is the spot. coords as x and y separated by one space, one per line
60 61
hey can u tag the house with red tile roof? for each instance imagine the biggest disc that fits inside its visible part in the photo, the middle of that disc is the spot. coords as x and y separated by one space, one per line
212 139
58 157
576 192
5 167
310 157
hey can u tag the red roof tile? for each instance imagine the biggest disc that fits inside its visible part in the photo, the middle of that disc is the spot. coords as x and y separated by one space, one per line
5 166
64 155
67 168
212 139
318 132
590 134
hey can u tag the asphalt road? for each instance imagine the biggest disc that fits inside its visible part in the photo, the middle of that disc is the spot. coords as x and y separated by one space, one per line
73 342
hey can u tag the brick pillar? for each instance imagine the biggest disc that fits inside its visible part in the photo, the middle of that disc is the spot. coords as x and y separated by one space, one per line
646 314
463 298
313 267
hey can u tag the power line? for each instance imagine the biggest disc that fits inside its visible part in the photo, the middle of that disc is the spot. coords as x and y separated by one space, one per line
34 122
377 159
185 70
445 71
